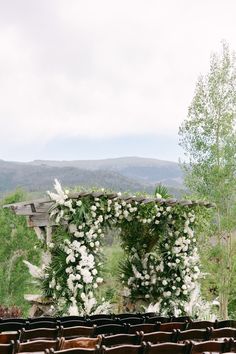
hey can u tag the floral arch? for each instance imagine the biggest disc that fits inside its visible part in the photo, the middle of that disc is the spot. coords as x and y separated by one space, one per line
161 261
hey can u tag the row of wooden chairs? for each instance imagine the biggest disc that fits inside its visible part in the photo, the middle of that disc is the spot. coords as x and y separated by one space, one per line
188 347
93 317
14 325
163 348
24 335
137 338
123 326
120 339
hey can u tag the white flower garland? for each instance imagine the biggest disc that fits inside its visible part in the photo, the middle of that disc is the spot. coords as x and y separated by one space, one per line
170 275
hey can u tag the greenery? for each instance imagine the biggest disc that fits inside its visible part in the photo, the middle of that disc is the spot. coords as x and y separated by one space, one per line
160 261
18 243
208 136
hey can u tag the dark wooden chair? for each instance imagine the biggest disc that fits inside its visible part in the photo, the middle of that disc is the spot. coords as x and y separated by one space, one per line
43 319
74 351
169 326
225 323
193 334
71 318
81 342
7 348
104 321
95 317
181 319
110 329
123 349
222 333
120 339
39 334
76 323
210 346
148 314
79 331
144 327
13 319
11 326
201 324
132 320
6 338
156 319
41 324
231 345
168 348
158 337
37 345
126 315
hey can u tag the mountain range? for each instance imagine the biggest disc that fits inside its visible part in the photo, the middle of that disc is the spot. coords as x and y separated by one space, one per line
130 174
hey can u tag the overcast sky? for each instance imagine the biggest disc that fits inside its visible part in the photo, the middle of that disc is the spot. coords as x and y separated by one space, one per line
84 79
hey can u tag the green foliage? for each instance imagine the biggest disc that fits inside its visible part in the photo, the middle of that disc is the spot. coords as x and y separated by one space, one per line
208 136
163 191
18 243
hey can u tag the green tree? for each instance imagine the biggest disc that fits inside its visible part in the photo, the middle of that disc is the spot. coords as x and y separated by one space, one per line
208 136
18 243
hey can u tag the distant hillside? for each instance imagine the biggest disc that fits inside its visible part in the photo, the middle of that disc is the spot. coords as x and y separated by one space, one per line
122 174
149 170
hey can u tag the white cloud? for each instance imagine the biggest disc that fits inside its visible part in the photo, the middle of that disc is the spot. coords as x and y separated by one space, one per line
103 68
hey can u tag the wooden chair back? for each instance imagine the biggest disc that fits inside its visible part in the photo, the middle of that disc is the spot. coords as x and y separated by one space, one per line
79 331
76 323
83 342
169 326
41 324
7 348
210 346
120 339
39 334
103 321
181 319
74 351
6 338
158 337
225 323
71 318
132 320
123 349
144 327
201 324
156 319
110 329
13 319
222 333
37 345
127 315
168 348
11 326
95 317
193 334
42 319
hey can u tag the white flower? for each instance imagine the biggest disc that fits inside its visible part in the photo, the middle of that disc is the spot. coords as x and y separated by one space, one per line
99 280
72 228
93 207
167 294
164 282
79 203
